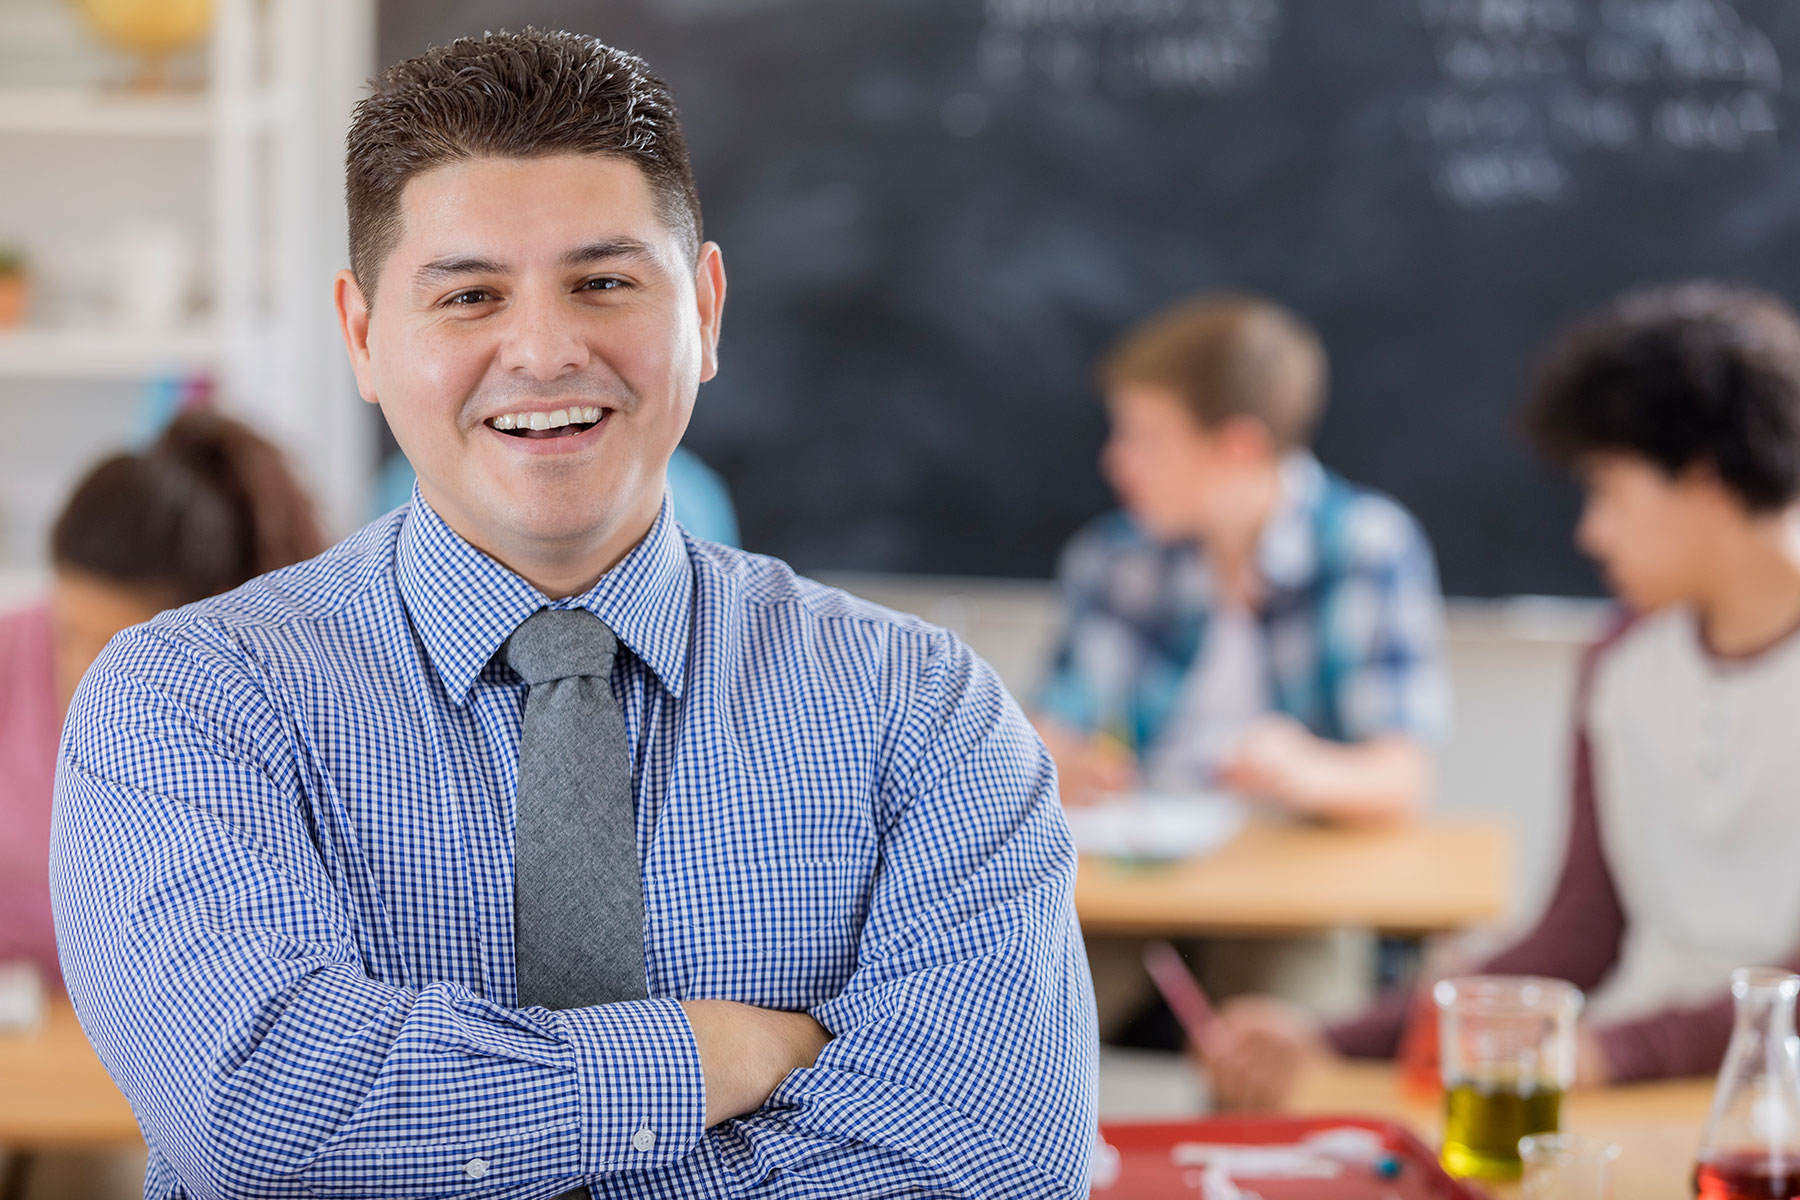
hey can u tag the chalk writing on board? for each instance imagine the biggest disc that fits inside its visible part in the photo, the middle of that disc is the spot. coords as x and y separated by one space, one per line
694 10
1526 88
1127 48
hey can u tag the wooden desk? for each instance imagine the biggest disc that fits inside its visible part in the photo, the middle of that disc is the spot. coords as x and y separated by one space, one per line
55 1095
1656 1124
1279 878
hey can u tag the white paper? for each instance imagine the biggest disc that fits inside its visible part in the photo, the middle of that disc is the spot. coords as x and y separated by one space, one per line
1156 825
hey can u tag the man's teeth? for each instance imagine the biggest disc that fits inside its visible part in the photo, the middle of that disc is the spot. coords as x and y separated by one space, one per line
547 420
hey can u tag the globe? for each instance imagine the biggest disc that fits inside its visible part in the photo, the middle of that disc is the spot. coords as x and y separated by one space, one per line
151 29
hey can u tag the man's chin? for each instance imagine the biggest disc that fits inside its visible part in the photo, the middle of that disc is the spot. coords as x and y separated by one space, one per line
555 521
1159 527
1640 599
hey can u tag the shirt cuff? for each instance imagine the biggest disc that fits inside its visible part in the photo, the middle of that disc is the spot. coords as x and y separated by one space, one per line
642 1091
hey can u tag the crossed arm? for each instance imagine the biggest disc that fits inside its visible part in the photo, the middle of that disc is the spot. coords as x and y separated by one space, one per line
222 976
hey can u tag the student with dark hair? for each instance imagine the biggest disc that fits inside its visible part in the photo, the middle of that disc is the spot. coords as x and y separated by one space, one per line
1679 409
204 508
523 843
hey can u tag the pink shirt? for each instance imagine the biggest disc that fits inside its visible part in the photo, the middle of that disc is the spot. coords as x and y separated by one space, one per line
30 724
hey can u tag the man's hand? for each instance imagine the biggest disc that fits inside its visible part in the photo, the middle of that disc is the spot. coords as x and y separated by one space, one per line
1281 762
1592 1067
1087 766
1278 761
745 1052
1254 1049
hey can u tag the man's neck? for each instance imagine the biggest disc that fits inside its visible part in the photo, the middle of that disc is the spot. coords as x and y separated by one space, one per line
1752 598
1232 546
559 577
560 567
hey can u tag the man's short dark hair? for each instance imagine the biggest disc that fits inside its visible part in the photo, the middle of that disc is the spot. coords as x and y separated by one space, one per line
509 95
1227 356
1693 374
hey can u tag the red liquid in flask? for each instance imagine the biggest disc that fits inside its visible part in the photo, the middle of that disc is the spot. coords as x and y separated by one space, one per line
1747 1176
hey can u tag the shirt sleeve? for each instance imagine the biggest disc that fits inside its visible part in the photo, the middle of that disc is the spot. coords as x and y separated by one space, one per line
1086 642
217 973
1676 1041
963 1059
1383 645
1577 938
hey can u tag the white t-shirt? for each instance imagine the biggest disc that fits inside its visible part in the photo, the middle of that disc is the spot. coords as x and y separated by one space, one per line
1226 689
1696 764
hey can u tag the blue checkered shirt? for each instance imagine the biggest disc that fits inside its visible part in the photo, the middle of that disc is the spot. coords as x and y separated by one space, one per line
282 870
1350 613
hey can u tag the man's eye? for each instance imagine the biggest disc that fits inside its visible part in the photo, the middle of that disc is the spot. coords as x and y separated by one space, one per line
605 284
472 296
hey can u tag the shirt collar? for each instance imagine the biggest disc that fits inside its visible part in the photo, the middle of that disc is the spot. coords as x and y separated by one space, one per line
1287 554
465 604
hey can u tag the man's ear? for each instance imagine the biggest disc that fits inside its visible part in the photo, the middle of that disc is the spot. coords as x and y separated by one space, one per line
709 298
1246 439
353 320
1701 478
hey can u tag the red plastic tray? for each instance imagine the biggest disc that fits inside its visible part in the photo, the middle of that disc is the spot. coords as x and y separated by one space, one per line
1146 1171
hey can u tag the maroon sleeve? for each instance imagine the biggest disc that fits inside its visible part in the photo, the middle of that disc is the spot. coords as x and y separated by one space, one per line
1577 938
1675 1041
1375 1032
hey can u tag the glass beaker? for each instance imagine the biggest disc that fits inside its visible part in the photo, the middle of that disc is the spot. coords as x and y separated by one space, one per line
1506 1050
1567 1166
1751 1147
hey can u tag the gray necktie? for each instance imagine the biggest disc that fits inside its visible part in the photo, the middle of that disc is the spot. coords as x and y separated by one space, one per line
578 901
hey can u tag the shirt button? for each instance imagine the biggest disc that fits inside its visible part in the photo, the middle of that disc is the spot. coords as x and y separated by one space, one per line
644 1140
475 1168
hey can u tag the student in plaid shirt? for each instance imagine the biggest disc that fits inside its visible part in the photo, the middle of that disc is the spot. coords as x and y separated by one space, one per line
1249 620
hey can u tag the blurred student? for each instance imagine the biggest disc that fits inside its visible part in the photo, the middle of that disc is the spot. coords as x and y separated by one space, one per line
205 507
1679 409
1249 621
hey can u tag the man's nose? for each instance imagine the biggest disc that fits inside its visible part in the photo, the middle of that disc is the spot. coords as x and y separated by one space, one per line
542 338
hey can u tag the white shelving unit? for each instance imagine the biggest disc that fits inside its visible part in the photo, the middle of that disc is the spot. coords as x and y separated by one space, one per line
105 354
66 111
267 128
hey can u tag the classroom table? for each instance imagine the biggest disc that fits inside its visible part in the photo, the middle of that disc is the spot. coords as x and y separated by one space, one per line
1284 877
1656 1124
55 1095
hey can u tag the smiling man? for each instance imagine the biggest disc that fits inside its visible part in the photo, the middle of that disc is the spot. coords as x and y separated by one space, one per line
522 844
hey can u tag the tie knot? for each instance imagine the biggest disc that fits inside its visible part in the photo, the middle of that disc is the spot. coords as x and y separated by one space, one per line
559 644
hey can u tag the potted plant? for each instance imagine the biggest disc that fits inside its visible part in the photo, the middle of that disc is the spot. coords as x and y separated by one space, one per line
14 285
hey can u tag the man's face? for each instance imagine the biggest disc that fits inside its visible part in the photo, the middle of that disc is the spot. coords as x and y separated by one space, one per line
1650 533
1174 477
532 292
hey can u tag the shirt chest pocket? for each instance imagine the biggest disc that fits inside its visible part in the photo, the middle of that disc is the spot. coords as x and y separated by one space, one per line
780 902
778 932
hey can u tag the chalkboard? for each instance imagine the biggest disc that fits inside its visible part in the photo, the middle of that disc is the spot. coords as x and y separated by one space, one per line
936 213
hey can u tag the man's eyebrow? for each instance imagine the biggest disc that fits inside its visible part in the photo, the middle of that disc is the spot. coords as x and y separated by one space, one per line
439 269
605 250
609 249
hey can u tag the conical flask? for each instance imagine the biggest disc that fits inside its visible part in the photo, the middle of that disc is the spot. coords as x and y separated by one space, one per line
1751 1147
